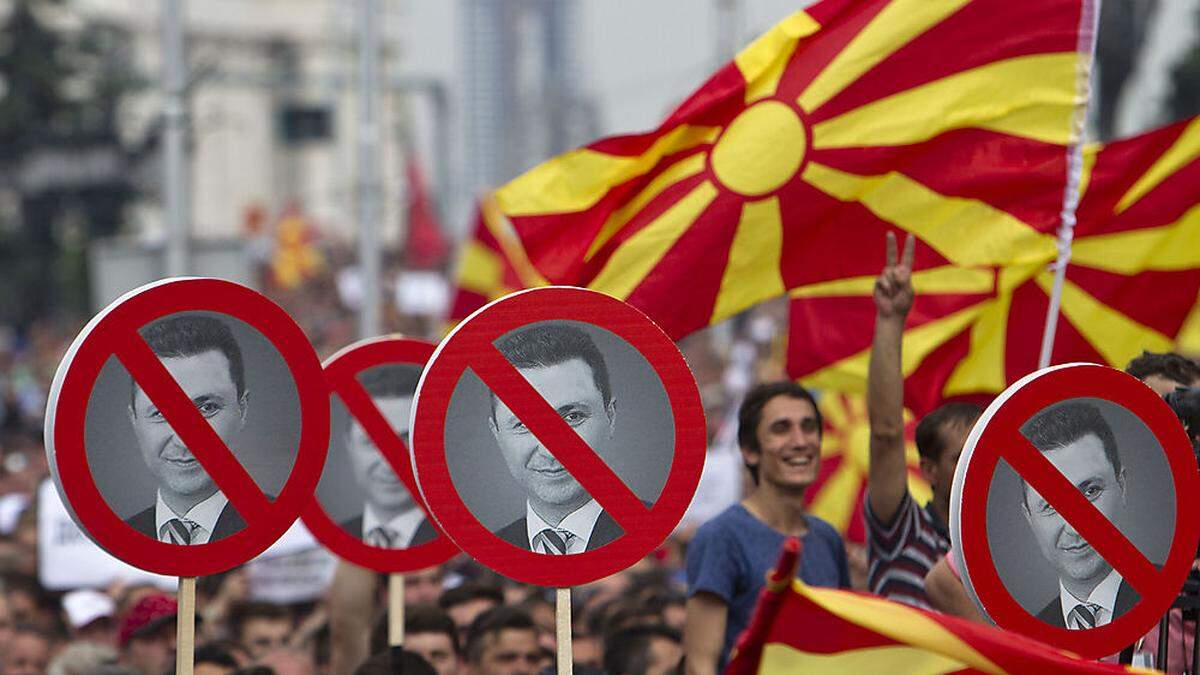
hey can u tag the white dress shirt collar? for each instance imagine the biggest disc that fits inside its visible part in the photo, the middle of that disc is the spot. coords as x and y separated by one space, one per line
404 526
1104 595
579 522
205 515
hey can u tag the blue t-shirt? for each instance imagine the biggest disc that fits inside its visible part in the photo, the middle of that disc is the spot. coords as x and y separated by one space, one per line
731 554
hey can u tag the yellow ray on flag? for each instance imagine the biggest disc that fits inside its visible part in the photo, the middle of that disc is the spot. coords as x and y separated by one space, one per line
1028 96
684 168
1170 247
762 63
893 28
935 280
752 274
1182 152
780 658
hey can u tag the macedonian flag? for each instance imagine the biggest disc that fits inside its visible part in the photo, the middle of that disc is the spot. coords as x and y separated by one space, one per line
491 264
800 629
951 119
1131 284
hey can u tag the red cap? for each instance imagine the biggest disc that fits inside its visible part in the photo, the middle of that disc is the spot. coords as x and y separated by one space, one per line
146 615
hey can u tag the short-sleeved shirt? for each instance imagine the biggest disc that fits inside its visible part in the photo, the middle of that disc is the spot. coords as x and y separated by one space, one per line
731 554
902 552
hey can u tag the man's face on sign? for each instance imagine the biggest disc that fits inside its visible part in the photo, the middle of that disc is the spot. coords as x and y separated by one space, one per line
1083 463
384 490
570 388
206 380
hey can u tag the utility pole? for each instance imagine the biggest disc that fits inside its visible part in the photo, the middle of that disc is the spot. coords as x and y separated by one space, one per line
176 199
369 253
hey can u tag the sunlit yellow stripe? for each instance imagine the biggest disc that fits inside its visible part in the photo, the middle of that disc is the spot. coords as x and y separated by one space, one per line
1170 247
578 179
639 254
850 374
838 496
982 369
480 269
1090 151
752 273
947 279
1113 335
684 168
891 29
899 622
762 63
835 411
1185 149
1028 96
502 230
779 658
968 232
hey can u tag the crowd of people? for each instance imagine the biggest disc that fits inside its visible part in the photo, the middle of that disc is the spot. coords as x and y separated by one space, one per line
680 609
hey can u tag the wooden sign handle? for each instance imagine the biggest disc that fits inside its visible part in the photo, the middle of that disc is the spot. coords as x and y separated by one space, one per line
563 631
185 623
395 610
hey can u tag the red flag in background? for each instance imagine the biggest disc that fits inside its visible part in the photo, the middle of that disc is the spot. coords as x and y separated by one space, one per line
426 247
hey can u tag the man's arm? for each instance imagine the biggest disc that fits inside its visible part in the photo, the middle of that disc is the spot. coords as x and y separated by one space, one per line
887 476
704 633
351 607
947 594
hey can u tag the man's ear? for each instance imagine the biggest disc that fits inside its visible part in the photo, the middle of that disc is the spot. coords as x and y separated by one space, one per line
929 469
750 457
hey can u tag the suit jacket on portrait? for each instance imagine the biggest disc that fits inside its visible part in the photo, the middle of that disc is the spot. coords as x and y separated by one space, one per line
425 533
605 532
1053 614
229 524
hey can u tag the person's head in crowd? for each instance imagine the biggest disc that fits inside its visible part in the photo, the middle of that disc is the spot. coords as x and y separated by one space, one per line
670 606
423 587
7 622
213 659
627 613
1078 441
567 369
130 595
503 641
231 648
28 651
779 433
940 437
643 650
431 633
1164 372
411 663
202 355
260 627
542 612
287 661
89 616
28 602
146 634
391 388
465 602
82 658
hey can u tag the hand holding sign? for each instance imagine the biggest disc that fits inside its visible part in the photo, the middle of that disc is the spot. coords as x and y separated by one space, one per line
557 421
1087 469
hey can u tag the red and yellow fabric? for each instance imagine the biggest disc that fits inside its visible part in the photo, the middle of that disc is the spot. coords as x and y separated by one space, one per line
1131 284
837 494
491 264
947 118
817 630
296 258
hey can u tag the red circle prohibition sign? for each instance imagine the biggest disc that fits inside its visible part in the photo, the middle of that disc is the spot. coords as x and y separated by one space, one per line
1001 439
114 332
471 346
341 371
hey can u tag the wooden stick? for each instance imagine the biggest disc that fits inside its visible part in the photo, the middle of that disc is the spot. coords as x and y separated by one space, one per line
563 631
395 610
185 622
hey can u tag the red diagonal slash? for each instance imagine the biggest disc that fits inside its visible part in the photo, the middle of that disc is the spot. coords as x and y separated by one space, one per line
1087 520
557 436
359 404
195 432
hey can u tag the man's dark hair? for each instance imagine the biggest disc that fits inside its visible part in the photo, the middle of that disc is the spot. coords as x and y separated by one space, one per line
627 652
553 342
411 663
930 432
1171 366
215 654
393 380
418 619
243 612
491 623
467 592
750 413
192 334
1060 425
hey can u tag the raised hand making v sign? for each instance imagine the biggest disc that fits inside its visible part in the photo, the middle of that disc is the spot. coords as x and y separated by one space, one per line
903 539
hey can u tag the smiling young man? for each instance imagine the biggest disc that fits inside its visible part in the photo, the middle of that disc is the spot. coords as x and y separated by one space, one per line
568 371
390 517
1078 441
203 357
779 431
